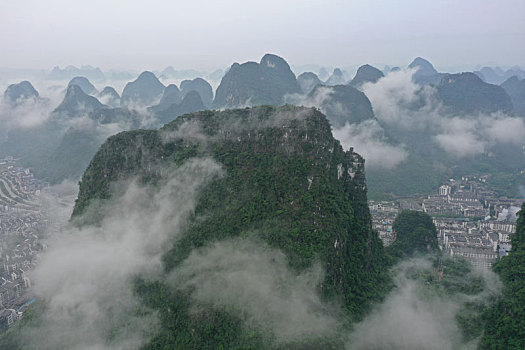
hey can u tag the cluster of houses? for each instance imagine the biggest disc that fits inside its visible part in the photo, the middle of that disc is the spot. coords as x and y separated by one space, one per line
22 222
471 221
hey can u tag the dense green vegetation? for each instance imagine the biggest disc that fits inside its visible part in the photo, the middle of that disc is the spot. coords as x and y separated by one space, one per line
505 321
415 233
450 278
13 339
288 182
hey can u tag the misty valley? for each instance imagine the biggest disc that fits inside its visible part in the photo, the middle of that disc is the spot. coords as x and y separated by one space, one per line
263 206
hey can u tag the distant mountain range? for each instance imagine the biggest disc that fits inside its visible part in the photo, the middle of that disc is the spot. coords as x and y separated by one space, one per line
497 75
271 81
70 72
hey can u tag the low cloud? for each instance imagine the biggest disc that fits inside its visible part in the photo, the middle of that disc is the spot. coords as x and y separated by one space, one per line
322 95
57 203
31 112
255 281
85 277
323 99
368 139
401 104
189 130
460 143
472 135
414 316
398 101
26 114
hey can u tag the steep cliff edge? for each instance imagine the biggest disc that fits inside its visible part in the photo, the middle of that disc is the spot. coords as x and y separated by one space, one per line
287 184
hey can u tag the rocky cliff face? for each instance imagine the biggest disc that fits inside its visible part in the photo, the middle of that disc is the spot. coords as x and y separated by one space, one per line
286 181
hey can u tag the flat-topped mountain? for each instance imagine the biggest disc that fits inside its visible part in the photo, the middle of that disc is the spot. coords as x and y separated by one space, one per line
251 83
287 182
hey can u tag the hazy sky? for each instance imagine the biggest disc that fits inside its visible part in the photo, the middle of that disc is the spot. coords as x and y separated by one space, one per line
207 34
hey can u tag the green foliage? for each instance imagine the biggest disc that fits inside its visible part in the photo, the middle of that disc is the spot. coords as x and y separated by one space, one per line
415 233
505 321
287 181
32 316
